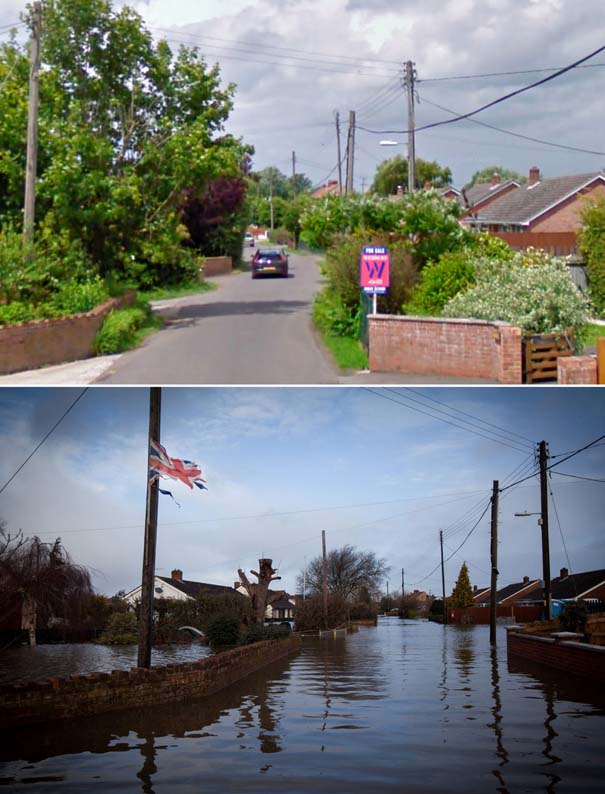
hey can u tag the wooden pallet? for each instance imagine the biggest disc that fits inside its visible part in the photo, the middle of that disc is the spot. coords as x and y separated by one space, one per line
541 352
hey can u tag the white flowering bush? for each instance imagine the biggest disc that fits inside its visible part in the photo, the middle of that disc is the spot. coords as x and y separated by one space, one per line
532 291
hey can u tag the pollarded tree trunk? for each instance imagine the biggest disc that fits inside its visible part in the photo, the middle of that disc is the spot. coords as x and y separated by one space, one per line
259 592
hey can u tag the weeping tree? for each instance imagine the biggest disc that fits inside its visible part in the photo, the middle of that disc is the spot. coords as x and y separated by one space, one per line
41 581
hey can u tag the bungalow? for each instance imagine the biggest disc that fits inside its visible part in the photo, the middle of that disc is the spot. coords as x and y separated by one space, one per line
175 588
329 189
517 593
542 205
476 198
576 586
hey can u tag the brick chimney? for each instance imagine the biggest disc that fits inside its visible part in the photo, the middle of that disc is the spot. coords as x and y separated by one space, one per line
177 574
526 580
495 178
534 175
564 573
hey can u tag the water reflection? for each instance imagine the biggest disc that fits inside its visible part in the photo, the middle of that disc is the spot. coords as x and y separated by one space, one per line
386 709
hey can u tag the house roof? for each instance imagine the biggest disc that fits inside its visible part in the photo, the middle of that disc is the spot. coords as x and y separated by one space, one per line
282 603
483 190
330 188
576 584
193 589
528 202
509 591
480 592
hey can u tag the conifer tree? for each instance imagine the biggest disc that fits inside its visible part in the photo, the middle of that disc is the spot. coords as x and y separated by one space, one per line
462 594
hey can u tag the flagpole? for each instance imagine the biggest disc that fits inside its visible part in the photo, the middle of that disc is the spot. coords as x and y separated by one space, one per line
151 525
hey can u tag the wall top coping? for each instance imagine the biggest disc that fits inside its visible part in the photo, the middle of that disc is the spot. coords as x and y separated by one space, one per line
445 320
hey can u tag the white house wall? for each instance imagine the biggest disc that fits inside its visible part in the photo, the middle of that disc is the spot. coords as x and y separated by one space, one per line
167 591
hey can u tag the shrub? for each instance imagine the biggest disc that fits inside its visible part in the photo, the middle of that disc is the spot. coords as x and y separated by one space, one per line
332 316
223 631
533 291
16 312
258 632
574 616
119 328
121 629
592 245
310 615
73 297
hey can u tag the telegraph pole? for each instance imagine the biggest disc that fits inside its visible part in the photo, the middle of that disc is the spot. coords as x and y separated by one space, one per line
324 577
151 526
443 579
29 206
494 558
350 152
409 82
543 454
402 584
338 153
294 173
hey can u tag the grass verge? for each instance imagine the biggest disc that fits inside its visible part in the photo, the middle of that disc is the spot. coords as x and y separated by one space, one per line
346 350
181 291
338 331
124 329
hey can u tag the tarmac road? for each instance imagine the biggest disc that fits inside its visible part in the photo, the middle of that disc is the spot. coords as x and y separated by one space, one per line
246 331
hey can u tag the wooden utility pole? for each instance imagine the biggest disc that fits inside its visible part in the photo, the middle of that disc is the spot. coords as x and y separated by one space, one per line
324 576
494 558
543 454
338 153
350 152
443 579
29 207
402 584
294 173
409 82
151 527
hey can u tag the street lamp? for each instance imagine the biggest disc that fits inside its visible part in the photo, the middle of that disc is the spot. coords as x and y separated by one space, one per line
545 562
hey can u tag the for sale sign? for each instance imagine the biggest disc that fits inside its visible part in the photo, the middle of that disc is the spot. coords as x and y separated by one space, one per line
374 270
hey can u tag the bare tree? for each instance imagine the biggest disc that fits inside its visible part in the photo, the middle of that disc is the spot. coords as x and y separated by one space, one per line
349 571
259 592
40 581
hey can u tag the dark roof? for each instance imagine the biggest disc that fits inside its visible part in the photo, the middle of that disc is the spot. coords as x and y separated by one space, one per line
527 202
506 592
282 603
480 591
194 589
576 584
482 190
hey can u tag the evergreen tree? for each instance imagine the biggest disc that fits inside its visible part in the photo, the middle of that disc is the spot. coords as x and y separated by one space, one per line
462 594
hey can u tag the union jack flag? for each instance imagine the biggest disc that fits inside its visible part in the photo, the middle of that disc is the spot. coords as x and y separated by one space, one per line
162 465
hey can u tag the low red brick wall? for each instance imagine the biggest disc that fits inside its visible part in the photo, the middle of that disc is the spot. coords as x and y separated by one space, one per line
216 266
576 658
577 370
43 342
60 698
480 615
438 346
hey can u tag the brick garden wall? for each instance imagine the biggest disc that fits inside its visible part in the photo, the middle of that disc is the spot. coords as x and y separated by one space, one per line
60 698
572 657
577 370
216 266
43 342
437 346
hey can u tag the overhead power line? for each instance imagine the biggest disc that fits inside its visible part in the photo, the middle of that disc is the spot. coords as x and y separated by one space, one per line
494 102
511 73
516 134
37 447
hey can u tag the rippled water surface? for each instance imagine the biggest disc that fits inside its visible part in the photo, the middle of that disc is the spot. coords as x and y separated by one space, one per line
405 707
43 661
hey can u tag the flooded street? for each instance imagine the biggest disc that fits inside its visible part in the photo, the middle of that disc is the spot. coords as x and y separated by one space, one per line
408 706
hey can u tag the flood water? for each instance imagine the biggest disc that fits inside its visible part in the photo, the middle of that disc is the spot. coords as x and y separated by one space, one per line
409 707
44 661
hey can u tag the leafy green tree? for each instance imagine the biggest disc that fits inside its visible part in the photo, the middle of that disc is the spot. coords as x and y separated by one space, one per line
486 174
391 174
271 181
462 594
592 246
122 629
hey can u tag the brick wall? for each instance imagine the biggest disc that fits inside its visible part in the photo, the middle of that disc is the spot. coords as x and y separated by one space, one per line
577 370
436 346
575 658
60 698
566 216
216 266
43 342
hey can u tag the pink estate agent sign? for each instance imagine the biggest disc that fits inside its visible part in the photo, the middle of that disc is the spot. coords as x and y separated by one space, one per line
374 269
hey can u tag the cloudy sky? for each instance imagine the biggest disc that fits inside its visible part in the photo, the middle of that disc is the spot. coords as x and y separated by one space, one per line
284 464
296 62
